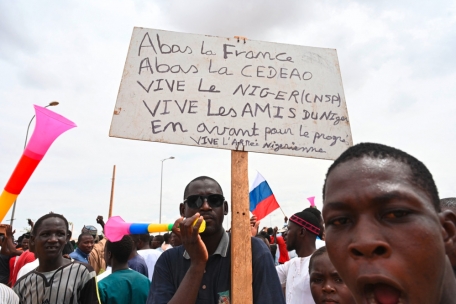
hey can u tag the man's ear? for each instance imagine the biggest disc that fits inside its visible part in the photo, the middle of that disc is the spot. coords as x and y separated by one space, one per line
225 207
182 209
448 222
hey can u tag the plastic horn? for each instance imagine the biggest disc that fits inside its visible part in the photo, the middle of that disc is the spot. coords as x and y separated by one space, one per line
115 228
312 201
49 126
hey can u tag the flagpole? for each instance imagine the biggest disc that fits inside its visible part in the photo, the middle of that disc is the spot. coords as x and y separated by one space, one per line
282 211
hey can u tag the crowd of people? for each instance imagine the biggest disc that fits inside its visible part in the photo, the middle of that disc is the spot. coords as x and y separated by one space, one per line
383 237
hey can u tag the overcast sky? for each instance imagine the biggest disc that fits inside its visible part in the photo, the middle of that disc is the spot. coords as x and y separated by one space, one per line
396 58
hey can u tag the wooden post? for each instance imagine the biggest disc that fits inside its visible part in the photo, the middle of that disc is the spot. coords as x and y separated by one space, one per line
241 252
112 191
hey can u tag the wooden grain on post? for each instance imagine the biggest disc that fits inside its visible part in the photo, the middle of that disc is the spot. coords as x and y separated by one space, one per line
112 191
241 252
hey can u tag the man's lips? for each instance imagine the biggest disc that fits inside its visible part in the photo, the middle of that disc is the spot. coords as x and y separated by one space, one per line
329 300
380 290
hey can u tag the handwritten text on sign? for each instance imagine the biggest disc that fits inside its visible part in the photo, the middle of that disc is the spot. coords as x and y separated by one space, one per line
234 94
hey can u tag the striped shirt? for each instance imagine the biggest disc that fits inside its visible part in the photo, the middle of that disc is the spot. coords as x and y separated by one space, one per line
7 295
71 283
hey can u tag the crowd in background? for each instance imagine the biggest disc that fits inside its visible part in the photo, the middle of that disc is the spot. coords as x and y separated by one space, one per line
385 236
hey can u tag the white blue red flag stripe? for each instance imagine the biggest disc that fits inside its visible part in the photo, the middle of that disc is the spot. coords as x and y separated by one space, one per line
262 200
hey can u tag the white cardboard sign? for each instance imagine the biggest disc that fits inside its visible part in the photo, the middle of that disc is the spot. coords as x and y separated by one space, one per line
230 93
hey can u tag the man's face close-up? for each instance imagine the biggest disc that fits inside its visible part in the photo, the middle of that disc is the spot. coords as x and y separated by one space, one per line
50 238
383 233
213 215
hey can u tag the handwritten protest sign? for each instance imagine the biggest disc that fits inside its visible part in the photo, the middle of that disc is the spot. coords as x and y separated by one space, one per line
232 93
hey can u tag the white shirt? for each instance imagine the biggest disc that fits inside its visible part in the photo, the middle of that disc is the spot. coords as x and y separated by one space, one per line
150 256
7 295
294 276
27 268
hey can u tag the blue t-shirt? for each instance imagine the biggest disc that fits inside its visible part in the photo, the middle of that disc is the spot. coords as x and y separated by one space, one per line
124 286
172 266
79 256
139 264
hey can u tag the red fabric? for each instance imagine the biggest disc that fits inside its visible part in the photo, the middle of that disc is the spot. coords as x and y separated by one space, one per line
283 250
25 258
265 207
11 267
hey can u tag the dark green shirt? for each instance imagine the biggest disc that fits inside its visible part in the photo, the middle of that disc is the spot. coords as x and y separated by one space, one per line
124 286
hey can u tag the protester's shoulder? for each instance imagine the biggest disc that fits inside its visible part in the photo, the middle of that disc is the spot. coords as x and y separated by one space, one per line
24 277
258 245
138 276
77 264
173 252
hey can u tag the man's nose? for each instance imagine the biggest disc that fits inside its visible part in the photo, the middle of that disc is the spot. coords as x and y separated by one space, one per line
205 205
369 241
328 288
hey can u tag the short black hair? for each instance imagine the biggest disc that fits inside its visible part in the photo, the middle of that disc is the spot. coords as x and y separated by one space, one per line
319 252
419 174
45 217
200 178
145 237
448 203
84 234
159 238
120 250
166 237
264 234
270 231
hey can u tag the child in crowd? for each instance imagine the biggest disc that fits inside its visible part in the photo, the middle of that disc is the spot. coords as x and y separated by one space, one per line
325 283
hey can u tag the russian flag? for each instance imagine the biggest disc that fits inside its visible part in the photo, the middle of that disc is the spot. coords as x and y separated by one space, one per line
262 200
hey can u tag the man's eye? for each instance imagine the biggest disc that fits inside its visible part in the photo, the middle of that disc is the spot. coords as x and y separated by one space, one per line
316 280
396 214
339 221
338 280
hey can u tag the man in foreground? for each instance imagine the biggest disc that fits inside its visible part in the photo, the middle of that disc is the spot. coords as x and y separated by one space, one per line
199 270
385 233
44 285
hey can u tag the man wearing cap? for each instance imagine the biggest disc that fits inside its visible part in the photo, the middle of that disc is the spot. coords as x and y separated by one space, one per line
96 257
303 229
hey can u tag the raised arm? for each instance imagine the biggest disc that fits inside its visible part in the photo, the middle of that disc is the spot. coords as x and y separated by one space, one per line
196 249
100 221
9 242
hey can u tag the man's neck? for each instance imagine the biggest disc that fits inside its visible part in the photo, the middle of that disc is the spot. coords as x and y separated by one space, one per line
133 253
212 241
118 266
306 249
46 266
